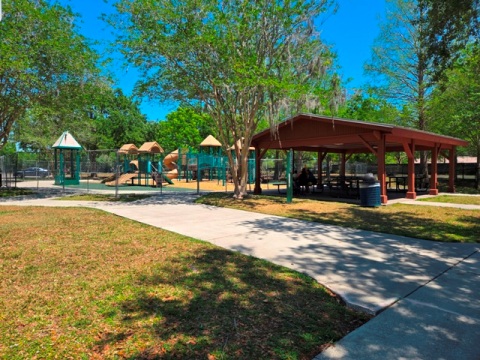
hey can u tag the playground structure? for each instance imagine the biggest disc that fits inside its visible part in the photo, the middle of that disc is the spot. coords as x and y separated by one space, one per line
67 160
210 162
170 164
139 164
144 166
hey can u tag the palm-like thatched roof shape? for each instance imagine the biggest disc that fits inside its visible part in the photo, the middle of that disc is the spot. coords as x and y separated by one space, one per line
210 141
128 149
151 147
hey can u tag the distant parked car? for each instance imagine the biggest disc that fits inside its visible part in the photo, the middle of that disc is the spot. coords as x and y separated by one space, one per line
33 171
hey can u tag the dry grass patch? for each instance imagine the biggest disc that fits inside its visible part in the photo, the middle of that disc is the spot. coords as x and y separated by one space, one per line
213 185
80 283
424 222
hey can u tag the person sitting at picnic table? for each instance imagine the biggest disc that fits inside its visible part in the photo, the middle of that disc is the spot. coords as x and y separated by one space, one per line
302 180
295 175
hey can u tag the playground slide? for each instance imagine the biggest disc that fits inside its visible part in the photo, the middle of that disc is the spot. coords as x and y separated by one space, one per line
124 178
170 163
167 179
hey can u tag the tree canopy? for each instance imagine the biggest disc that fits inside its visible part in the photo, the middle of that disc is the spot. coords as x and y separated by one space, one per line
456 105
449 27
45 62
242 61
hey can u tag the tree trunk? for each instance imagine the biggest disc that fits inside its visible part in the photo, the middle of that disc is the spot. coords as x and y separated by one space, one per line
424 164
276 172
477 168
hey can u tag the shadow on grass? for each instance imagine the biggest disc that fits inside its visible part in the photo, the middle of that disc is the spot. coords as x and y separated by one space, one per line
429 223
230 306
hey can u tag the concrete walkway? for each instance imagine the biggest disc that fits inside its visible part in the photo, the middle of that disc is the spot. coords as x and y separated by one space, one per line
428 291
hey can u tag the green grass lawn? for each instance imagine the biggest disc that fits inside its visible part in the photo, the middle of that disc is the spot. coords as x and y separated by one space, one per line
83 284
454 199
424 222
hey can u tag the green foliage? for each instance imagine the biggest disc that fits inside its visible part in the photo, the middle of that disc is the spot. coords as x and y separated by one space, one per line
369 107
450 26
455 105
184 128
117 121
99 117
45 63
8 149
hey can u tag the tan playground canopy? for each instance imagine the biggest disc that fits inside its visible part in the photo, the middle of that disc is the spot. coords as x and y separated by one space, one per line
128 149
151 148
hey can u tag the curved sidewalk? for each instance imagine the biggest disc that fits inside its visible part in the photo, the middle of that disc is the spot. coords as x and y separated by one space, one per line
429 291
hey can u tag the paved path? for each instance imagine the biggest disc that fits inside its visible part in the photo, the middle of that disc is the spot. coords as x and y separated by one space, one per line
430 290
438 321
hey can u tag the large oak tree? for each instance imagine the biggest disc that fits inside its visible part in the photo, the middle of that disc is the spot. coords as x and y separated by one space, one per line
242 61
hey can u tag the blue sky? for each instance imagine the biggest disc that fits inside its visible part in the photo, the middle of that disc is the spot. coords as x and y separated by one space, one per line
350 31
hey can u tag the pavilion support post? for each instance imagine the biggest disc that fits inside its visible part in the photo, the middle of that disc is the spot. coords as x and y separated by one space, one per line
382 178
258 157
451 170
434 170
411 194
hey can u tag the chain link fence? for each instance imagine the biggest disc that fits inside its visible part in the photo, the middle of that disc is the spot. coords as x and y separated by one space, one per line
107 171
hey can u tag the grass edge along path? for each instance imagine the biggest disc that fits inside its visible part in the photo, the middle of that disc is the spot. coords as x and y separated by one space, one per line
105 197
81 283
454 199
13 192
423 222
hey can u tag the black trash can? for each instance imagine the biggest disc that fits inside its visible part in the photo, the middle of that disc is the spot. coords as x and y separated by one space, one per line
370 192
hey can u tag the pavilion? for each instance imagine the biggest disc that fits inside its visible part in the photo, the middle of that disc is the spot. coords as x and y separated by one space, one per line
323 134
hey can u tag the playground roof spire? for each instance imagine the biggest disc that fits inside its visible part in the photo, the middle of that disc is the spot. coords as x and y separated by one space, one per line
210 141
66 141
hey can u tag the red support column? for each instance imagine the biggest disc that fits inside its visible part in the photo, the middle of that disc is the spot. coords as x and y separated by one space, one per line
434 170
411 194
451 170
258 156
382 177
